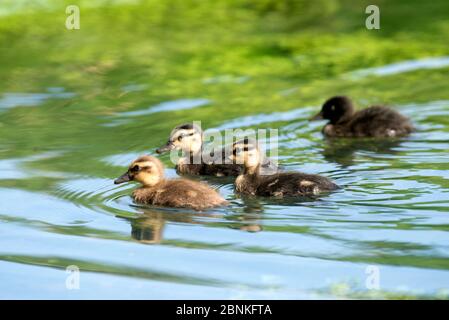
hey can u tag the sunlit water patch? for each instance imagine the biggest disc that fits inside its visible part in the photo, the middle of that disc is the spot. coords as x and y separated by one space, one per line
121 159
226 79
20 168
261 119
134 87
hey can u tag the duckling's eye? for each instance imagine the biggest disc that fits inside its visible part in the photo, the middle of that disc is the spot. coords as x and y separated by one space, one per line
135 168
179 138
234 152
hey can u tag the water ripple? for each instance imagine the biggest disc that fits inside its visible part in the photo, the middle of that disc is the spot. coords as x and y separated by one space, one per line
401 67
18 99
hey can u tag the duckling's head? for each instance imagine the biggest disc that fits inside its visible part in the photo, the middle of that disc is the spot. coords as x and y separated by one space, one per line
336 109
246 152
186 137
147 170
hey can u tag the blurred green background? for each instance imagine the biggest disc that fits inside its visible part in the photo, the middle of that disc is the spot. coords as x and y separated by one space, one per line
191 40
245 56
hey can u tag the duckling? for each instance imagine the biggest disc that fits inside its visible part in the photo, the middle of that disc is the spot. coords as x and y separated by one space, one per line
189 138
375 121
176 193
282 184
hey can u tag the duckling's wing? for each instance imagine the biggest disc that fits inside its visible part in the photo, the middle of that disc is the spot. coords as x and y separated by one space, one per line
190 194
380 121
294 183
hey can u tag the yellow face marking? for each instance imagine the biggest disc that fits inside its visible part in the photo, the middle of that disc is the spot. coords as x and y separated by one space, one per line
147 176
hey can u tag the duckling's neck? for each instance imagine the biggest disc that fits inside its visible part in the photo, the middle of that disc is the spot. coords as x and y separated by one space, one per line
251 170
247 182
191 158
344 119
348 113
194 150
152 183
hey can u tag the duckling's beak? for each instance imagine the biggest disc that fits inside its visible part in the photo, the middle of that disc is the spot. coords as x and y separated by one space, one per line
168 147
318 116
123 178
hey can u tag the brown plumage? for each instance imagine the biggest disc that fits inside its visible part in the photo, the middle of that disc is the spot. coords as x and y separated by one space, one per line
177 193
285 184
375 121
189 138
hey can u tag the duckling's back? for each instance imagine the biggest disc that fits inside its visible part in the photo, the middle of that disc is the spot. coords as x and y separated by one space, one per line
379 121
294 183
284 184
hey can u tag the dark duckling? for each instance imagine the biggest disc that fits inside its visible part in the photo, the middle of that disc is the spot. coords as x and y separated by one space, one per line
189 138
284 184
176 193
375 121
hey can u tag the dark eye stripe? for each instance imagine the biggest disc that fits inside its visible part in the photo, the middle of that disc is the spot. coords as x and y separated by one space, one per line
188 134
185 135
246 148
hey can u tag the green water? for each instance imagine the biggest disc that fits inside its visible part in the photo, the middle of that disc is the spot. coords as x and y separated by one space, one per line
77 106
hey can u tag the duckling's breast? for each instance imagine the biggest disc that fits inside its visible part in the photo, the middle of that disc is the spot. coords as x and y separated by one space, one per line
331 130
245 185
144 195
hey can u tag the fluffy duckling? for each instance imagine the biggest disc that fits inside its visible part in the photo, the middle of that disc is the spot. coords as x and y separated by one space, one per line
282 184
375 121
189 138
177 193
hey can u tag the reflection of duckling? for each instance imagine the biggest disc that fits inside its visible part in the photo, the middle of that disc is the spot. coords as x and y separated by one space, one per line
376 121
178 193
343 151
148 228
189 138
279 184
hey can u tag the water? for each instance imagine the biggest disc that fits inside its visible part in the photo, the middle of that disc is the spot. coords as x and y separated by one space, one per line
73 115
